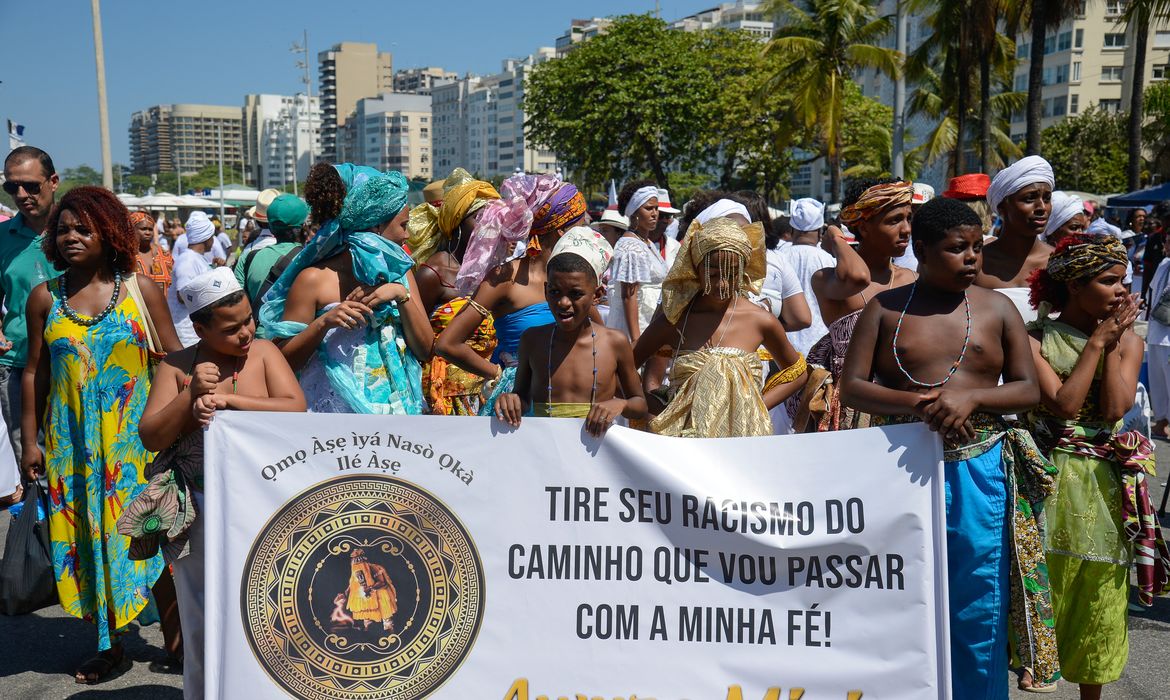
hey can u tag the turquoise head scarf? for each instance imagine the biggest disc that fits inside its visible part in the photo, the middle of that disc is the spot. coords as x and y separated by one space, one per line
385 377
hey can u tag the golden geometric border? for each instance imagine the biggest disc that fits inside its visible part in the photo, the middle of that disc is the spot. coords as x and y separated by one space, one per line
310 673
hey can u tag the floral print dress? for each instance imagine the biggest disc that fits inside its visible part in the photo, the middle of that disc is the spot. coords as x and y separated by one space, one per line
95 462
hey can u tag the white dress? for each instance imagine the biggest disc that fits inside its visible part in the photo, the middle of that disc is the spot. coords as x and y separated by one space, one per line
635 261
805 261
340 344
188 266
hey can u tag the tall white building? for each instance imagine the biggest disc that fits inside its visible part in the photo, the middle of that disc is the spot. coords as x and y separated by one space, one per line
745 16
281 138
390 132
479 123
1089 60
580 30
422 81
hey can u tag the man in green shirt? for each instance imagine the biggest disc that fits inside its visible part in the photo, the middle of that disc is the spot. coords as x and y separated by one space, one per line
31 180
256 270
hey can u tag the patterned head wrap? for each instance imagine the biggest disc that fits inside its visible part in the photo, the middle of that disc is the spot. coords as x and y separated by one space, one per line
377 200
1017 176
682 283
503 223
588 244
137 217
563 207
431 224
1088 257
876 199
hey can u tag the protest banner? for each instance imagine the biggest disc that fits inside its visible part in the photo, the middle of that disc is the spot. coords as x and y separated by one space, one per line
406 557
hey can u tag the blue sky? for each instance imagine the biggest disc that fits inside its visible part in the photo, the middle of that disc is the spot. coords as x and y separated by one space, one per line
216 51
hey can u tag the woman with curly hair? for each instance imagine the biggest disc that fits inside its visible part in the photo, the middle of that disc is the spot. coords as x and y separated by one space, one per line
1099 518
86 385
346 311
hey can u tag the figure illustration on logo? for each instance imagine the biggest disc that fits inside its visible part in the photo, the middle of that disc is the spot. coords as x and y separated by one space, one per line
371 596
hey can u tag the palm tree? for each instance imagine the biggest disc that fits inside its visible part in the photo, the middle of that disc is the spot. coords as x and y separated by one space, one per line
1138 16
1045 15
820 45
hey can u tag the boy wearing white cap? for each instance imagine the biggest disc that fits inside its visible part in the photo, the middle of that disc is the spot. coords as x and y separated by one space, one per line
228 369
573 368
805 257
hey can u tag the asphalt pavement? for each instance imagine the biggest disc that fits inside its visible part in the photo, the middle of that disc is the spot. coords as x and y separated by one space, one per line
39 652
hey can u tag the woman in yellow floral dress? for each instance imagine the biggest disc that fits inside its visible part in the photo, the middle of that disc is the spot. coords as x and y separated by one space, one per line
88 378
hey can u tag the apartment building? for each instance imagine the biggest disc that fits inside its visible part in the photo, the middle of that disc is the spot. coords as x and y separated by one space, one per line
1089 60
185 138
281 138
422 81
479 123
580 30
390 132
348 72
744 16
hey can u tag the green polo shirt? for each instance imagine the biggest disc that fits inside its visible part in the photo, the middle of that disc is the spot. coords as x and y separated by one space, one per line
262 262
22 267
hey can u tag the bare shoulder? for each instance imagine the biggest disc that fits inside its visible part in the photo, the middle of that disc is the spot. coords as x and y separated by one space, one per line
502 274
892 299
180 360
613 338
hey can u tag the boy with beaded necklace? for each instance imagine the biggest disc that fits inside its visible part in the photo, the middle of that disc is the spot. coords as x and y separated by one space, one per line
935 351
572 368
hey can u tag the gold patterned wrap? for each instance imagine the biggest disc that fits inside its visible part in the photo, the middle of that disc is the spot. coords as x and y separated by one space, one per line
429 225
561 410
877 198
451 390
715 392
682 283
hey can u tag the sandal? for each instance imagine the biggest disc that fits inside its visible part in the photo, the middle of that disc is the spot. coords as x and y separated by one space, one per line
171 664
100 667
1032 686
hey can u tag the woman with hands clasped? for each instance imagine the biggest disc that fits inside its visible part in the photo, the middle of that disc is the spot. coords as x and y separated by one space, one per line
343 310
1100 512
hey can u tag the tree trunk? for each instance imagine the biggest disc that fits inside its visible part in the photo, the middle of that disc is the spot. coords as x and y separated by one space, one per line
958 161
1036 77
985 115
1141 37
728 170
655 164
835 173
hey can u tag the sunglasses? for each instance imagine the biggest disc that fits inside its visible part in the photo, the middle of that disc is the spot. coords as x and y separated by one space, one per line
12 187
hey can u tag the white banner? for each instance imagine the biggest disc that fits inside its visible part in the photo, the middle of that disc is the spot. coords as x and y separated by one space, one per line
404 557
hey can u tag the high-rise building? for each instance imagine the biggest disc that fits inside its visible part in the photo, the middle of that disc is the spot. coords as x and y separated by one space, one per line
185 137
1089 60
346 73
281 138
479 123
422 81
580 30
390 132
745 16
450 123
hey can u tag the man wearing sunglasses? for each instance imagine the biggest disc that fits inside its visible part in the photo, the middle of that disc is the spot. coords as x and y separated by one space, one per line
31 180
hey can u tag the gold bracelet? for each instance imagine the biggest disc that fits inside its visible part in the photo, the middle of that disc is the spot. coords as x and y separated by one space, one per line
479 308
788 374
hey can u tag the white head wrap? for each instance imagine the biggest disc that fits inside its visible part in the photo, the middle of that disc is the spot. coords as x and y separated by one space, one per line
199 228
587 243
641 196
1017 176
807 215
1102 227
1064 207
723 207
208 288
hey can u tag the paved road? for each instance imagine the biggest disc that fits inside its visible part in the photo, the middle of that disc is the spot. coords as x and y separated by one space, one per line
39 652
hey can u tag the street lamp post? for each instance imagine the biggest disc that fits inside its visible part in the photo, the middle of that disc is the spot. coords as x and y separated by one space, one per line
103 112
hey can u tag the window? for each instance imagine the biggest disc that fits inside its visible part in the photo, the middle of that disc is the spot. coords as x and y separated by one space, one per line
1024 50
1064 41
1073 103
1115 41
1062 74
1161 40
1111 73
1076 71
1111 105
1021 82
1049 45
1114 8
1058 105
1159 73
1080 39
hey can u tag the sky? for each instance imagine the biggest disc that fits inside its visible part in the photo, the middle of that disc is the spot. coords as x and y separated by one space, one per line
216 51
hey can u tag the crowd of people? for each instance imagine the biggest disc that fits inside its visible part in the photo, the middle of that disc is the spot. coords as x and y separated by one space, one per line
1002 315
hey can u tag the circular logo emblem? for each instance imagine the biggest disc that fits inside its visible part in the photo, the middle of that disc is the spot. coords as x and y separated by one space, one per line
362 587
